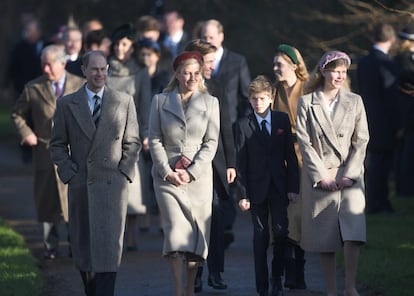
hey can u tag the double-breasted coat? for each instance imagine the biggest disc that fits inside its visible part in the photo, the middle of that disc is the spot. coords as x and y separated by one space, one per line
332 148
134 80
38 101
185 210
97 163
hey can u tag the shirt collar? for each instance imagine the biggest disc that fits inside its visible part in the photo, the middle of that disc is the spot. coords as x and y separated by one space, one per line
91 94
268 118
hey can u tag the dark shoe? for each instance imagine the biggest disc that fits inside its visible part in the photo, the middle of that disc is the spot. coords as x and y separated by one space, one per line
215 281
198 285
50 254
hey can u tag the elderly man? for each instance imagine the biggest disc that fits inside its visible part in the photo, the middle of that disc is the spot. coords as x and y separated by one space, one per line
95 146
38 101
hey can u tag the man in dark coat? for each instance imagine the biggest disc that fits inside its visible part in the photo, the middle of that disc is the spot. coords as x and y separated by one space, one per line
95 146
378 88
38 102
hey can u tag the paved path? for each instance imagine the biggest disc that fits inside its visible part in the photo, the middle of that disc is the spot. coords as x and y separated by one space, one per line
144 272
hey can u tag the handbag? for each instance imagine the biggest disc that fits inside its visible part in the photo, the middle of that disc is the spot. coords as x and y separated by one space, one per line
183 163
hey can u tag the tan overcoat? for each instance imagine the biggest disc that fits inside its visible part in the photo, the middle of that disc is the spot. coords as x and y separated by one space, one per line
332 148
289 103
185 210
97 163
38 101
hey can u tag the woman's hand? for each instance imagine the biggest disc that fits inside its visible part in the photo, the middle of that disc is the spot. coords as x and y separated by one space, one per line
175 179
328 184
244 204
183 175
345 182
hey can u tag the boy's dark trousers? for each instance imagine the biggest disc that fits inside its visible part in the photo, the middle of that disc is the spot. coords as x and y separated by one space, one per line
275 206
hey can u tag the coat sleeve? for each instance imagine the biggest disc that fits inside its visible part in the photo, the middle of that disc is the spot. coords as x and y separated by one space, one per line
20 111
359 141
143 101
312 163
241 156
210 141
59 146
131 144
158 153
291 159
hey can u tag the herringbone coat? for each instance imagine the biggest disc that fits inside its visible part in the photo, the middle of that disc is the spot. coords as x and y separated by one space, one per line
97 163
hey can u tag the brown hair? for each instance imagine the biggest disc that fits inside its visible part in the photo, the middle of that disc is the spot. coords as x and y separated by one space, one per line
260 84
301 70
383 32
200 45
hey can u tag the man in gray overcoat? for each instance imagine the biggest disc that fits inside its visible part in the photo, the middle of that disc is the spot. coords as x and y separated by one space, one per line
95 146
38 102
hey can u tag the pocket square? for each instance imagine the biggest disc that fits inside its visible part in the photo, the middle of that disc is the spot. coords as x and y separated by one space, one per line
280 131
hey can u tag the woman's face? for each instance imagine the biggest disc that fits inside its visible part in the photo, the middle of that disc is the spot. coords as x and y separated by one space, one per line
189 77
283 69
123 49
148 57
335 77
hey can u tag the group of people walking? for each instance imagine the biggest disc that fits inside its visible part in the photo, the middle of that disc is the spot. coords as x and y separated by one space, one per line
291 153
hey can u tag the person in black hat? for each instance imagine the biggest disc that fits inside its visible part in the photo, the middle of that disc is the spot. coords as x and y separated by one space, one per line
404 62
126 75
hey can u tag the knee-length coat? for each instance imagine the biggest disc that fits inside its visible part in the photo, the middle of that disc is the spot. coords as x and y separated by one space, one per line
332 148
185 210
97 163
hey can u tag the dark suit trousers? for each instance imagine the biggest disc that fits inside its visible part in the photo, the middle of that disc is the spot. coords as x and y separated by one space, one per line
378 169
276 206
215 258
99 283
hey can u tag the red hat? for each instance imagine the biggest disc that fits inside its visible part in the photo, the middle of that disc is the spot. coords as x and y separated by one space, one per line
186 55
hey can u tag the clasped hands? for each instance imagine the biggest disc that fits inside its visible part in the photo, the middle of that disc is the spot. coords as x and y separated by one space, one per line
332 185
179 177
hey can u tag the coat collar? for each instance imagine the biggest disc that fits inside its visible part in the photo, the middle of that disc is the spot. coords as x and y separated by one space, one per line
173 105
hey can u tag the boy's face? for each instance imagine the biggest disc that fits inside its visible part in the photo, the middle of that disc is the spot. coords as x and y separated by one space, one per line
260 102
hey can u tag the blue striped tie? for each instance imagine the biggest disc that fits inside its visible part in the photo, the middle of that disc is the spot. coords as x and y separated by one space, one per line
96 109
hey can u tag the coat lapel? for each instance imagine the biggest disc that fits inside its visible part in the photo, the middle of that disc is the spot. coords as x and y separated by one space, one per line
82 114
341 111
47 94
173 105
110 105
323 119
196 105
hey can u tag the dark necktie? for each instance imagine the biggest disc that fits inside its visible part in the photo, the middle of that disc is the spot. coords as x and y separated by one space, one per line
58 90
265 132
96 109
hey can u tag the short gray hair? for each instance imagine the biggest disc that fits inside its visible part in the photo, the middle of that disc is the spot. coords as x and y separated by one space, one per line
57 51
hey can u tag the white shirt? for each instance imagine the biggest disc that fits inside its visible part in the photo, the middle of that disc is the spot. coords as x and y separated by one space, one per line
218 57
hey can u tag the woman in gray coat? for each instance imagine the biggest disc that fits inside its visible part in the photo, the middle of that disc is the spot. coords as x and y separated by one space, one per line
183 137
127 76
333 135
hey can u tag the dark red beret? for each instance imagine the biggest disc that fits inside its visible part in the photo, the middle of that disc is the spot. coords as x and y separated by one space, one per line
186 55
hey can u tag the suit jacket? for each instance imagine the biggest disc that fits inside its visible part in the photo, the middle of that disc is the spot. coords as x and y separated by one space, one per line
234 76
74 67
226 154
97 164
38 101
264 161
377 83
332 148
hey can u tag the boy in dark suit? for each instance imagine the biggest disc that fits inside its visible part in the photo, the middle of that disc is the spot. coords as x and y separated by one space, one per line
269 178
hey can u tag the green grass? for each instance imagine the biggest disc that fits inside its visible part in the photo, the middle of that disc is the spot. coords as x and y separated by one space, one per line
19 275
386 265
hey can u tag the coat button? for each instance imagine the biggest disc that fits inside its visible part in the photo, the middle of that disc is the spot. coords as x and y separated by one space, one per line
340 135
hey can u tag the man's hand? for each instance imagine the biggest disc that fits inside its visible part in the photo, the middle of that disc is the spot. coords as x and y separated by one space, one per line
231 175
30 140
244 204
293 197
145 144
